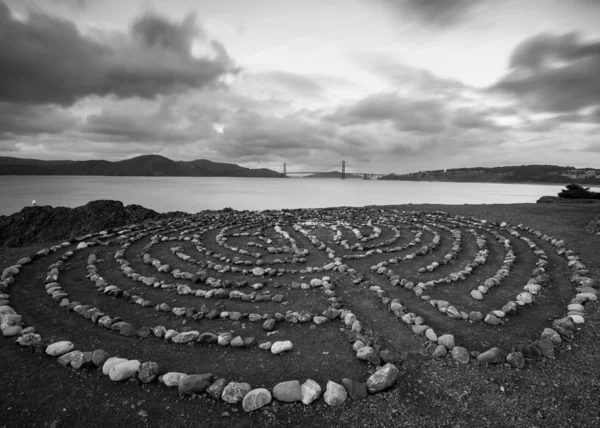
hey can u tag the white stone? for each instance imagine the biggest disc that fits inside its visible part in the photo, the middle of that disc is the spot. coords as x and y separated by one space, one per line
124 370
310 390
335 394
59 348
172 378
281 346
110 363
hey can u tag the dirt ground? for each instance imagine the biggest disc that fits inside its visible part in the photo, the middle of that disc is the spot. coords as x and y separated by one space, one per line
38 392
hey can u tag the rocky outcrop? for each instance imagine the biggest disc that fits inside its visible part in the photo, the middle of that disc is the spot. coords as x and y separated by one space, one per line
46 224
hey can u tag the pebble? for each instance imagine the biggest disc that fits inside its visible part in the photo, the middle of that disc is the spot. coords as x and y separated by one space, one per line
461 355
383 378
148 372
516 359
288 391
216 389
172 378
59 348
492 356
281 346
99 357
12 330
335 394
447 340
310 391
356 390
235 392
124 370
195 383
256 399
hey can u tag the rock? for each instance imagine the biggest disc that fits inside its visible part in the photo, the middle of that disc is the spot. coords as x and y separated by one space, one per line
492 356
30 340
148 372
475 316
12 330
565 327
256 399
237 342
65 360
551 334
335 394
461 355
110 363
281 346
224 339
356 390
207 338
59 348
310 391
188 336
430 334
269 324
195 384
81 361
529 351
99 357
440 351
516 359
447 340
383 378
172 378
215 390
476 294
258 271
492 320
124 370
288 391
546 347
235 392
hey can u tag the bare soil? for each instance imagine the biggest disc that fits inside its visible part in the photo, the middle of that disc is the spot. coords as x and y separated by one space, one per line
38 392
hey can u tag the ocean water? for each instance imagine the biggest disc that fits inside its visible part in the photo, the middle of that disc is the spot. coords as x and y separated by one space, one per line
193 194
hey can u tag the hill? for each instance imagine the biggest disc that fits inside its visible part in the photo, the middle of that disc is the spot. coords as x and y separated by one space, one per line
506 174
147 165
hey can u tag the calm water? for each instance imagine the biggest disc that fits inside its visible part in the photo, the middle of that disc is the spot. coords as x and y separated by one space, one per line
194 194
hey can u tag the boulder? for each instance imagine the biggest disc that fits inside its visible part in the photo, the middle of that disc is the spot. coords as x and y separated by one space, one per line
383 378
335 394
256 399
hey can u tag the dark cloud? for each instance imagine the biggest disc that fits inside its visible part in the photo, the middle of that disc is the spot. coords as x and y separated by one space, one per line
47 60
425 116
554 73
306 86
23 119
433 12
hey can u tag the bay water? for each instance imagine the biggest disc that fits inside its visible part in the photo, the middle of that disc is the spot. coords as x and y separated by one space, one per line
193 194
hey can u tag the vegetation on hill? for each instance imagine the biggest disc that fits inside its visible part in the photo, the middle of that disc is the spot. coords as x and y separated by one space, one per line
148 165
506 174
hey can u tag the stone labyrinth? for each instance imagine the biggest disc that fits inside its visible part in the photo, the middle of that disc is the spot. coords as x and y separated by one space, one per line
293 305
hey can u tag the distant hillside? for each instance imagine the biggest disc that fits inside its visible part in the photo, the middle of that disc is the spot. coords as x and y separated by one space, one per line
331 174
507 174
148 165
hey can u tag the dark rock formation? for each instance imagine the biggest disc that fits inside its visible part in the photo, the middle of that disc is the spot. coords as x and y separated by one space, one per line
46 224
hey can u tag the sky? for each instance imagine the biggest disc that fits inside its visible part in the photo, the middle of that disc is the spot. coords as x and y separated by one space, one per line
389 86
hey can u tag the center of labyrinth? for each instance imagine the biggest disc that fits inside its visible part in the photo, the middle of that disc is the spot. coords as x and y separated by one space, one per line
293 303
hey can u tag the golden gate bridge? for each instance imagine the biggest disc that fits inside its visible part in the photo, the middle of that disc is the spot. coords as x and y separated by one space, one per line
344 173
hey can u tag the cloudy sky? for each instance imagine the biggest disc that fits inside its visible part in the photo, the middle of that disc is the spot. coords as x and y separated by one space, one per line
387 85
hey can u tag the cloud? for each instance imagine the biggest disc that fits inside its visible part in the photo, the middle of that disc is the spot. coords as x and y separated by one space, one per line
423 115
22 119
554 73
438 13
47 60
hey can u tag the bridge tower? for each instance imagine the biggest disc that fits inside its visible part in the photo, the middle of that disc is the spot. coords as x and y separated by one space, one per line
284 169
343 170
